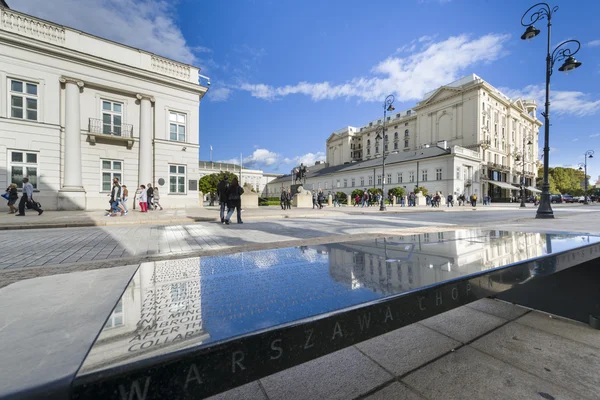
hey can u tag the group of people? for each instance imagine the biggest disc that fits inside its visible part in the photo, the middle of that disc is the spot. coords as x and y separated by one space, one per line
230 197
285 199
318 198
26 202
148 199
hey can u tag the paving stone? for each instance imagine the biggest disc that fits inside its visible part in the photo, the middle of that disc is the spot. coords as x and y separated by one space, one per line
344 374
249 391
463 324
395 391
407 348
566 328
570 364
498 308
471 374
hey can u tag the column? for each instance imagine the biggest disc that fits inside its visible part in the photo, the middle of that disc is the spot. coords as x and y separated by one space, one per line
145 167
72 176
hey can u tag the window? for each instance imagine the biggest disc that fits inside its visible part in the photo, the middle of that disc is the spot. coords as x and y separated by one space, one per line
389 179
396 146
337 183
424 175
379 179
111 169
438 174
116 318
362 181
376 149
406 133
353 182
369 151
385 148
457 172
406 124
399 177
112 118
411 176
370 181
325 185
406 144
345 182
23 164
177 126
23 100
386 138
177 179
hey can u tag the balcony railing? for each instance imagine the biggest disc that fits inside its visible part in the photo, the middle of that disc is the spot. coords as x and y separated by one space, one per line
123 130
98 130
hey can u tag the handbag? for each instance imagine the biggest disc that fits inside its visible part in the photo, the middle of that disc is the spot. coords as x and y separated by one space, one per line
5 195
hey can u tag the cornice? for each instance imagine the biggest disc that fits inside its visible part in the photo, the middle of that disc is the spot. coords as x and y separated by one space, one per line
66 54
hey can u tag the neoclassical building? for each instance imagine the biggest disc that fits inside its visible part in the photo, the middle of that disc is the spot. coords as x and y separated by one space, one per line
464 137
253 177
77 111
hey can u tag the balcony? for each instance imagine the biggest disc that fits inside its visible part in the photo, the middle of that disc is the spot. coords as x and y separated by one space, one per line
118 134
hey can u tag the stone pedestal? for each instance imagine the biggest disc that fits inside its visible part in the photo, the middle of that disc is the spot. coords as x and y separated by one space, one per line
72 200
394 201
348 200
249 200
329 200
420 199
201 199
302 199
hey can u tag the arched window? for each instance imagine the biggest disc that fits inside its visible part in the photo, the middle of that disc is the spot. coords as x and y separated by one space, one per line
395 135
406 132
386 138
369 142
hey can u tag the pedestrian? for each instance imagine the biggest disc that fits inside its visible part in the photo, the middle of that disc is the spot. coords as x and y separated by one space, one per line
143 199
222 187
12 196
450 200
115 200
149 195
27 199
234 201
474 200
125 194
288 199
320 198
314 199
336 200
156 197
356 200
282 199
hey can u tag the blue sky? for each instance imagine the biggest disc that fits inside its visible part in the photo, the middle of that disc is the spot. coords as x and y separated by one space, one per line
285 74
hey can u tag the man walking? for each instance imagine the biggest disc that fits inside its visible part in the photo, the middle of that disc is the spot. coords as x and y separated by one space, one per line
288 199
283 199
150 195
222 194
27 198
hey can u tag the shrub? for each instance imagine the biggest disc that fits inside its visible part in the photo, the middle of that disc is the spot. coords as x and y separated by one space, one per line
397 192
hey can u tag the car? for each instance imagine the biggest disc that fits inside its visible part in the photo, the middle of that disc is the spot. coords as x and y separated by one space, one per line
556 198
578 199
581 199
567 198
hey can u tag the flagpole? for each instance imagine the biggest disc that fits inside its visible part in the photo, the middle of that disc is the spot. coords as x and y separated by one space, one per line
211 154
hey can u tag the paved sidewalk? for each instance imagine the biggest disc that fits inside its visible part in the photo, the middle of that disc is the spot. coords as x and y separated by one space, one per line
63 219
485 350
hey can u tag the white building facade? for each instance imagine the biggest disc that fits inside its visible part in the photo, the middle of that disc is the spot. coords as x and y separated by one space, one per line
468 113
77 111
253 177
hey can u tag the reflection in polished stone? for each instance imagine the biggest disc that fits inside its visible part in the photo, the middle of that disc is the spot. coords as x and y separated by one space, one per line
195 302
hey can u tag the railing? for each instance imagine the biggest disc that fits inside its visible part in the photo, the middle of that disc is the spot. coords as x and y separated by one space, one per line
123 130
171 68
28 26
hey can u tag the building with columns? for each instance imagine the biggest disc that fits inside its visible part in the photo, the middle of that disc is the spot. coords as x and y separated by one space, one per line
491 139
77 111
253 177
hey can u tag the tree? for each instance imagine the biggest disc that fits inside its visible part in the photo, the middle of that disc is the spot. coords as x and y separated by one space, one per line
358 192
422 189
208 183
563 180
375 191
342 197
397 191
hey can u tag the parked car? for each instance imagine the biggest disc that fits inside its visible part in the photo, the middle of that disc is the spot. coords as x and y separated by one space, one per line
556 198
581 199
578 199
567 198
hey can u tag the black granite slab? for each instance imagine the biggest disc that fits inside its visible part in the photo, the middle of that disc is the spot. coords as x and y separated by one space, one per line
190 328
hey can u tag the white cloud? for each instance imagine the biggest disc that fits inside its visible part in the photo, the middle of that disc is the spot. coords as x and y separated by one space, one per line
574 103
306 159
260 158
408 78
575 140
145 24
219 94
594 43
595 135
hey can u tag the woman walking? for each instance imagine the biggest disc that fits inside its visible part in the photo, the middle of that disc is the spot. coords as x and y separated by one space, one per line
143 199
12 198
157 198
125 194
234 201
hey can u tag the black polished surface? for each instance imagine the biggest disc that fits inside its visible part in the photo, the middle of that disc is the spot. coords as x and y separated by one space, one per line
194 327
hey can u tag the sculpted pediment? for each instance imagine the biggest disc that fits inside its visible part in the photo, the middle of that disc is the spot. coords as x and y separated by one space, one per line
441 94
518 104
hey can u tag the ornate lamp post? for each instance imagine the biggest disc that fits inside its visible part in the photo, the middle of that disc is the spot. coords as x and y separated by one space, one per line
586 155
561 52
529 143
387 106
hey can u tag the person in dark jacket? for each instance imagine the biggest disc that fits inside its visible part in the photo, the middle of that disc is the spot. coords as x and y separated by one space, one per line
288 199
150 195
222 195
234 201
283 199
13 196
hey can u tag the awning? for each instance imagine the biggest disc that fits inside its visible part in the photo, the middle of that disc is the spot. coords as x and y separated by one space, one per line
532 189
504 185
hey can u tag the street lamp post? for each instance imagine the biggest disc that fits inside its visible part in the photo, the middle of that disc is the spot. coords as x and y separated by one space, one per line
586 155
529 143
542 11
388 105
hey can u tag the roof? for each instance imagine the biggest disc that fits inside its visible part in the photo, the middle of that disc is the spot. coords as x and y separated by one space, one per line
374 162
